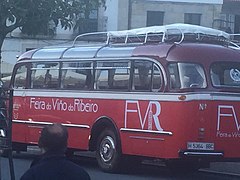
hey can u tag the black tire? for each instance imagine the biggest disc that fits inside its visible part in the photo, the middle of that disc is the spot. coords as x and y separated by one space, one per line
108 152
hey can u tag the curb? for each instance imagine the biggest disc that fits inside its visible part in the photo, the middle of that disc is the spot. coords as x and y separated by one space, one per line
219 172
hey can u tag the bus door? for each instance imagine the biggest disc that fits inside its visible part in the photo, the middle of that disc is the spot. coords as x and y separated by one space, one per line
44 81
19 103
142 116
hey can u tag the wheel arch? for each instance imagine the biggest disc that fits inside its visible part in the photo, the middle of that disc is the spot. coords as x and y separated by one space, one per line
98 127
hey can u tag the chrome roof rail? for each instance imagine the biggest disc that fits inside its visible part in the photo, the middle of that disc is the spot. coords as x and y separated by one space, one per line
175 33
235 43
99 37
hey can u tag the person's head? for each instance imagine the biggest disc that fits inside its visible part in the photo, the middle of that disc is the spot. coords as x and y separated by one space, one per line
53 138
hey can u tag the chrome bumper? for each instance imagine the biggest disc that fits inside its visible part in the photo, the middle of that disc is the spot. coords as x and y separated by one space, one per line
201 154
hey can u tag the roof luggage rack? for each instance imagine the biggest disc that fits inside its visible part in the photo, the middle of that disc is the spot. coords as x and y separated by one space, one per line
97 37
234 43
176 33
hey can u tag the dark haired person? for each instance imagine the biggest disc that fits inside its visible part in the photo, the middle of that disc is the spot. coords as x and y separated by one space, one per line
53 165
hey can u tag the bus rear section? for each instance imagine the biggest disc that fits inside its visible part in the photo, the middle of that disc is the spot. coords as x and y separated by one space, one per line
172 98
210 117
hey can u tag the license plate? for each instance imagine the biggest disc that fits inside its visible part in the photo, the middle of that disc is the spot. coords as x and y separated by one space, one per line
200 146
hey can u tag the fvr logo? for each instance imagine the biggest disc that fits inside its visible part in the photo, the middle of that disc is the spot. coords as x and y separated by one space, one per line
227 122
150 116
229 112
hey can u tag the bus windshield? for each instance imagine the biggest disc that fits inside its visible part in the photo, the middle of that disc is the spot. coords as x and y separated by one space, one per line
225 74
186 75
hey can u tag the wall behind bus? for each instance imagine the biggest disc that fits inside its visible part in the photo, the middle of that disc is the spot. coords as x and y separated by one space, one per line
13 47
174 12
193 1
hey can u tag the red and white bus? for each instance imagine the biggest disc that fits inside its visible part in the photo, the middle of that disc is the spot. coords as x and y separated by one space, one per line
170 93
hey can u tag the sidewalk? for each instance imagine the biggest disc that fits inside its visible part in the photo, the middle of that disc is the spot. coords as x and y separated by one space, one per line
230 168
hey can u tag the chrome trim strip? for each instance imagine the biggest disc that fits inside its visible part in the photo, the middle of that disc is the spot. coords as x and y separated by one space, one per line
47 123
35 126
203 153
147 131
31 122
77 126
146 138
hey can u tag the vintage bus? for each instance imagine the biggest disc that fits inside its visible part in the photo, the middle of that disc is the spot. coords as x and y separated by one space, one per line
170 93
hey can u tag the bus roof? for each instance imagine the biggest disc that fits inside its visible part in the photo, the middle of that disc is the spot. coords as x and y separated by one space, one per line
150 41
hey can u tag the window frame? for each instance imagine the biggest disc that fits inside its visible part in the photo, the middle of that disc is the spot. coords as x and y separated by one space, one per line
27 80
190 17
179 80
48 68
94 68
91 68
222 86
149 15
107 68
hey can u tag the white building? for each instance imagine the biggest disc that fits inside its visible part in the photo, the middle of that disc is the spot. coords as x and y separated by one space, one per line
16 43
127 14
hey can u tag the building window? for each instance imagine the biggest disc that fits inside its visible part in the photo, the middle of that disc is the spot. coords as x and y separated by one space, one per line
155 18
88 24
192 18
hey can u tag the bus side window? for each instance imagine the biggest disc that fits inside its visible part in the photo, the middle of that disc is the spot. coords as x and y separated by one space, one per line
225 74
186 75
20 78
121 76
174 78
215 78
47 78
142 75
157 78
77 75
112 75
101 79
44 75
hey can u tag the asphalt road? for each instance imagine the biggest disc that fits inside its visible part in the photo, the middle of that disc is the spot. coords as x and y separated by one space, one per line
143 172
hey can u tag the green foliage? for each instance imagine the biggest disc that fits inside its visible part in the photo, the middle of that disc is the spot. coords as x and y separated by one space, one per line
34 16
82 21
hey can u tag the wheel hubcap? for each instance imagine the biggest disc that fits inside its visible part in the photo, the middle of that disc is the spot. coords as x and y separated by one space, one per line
107 148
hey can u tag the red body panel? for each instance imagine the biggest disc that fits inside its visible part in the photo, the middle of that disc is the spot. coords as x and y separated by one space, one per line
182 119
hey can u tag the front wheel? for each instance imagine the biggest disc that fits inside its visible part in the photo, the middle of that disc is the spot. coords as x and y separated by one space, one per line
108 151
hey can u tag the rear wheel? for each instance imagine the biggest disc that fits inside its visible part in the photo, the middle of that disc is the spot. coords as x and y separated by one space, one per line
108 151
